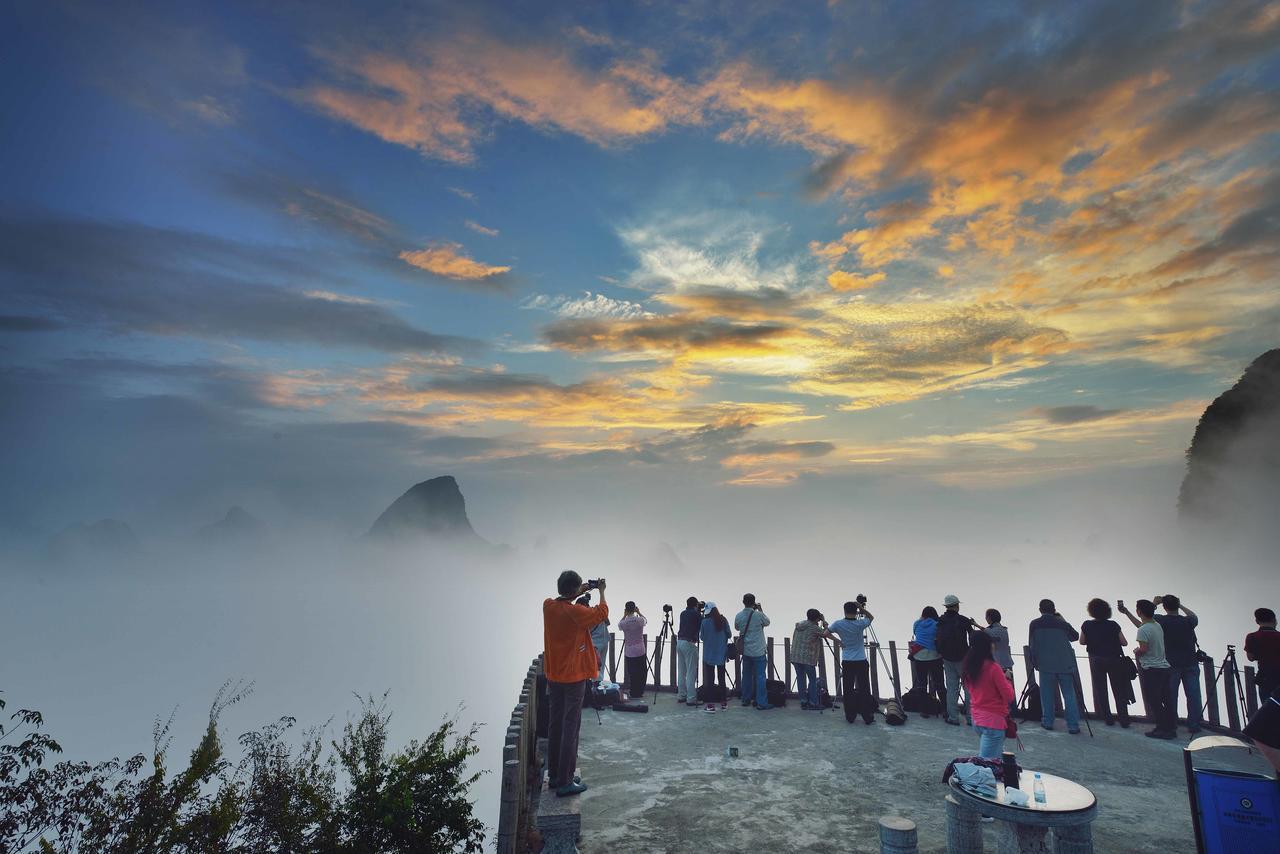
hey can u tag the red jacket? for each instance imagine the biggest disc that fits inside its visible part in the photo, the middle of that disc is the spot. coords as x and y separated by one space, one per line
989 696
568 654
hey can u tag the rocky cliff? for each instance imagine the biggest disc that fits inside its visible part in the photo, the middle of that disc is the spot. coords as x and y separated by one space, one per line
434 508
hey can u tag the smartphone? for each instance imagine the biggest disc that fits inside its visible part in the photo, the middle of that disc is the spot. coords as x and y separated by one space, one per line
1120 604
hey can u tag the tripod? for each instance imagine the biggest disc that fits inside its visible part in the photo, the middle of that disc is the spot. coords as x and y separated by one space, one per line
658 644
1232 675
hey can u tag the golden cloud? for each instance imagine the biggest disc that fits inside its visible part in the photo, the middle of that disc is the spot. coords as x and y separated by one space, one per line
448 260
839 280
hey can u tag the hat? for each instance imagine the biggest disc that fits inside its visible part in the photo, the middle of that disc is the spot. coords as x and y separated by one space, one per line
950 599
706 608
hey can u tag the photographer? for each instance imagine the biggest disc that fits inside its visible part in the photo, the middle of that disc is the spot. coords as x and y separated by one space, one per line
1050 638
1153 668
855 675
953 644
687 652
750 623
635 668
599 638
569 662
1263 646
1180 649
805 641
715 637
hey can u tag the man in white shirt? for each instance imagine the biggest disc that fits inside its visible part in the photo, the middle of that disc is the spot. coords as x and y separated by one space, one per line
1153 669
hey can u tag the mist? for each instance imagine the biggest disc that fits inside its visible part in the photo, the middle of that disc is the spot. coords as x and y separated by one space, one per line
310 614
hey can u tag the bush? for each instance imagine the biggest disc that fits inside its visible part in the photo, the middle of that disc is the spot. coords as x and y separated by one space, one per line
356 797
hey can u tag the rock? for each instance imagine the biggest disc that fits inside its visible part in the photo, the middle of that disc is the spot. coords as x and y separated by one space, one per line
104 538
1233 464
434 508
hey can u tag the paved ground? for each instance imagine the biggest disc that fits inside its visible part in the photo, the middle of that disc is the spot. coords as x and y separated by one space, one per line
810 782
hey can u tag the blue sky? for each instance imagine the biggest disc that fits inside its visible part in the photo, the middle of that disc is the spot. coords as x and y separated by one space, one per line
982 246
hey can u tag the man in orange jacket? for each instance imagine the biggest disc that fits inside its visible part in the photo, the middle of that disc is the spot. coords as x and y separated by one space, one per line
569 661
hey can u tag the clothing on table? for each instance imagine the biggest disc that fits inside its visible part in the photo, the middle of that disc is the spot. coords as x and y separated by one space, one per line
1155 692
989 696
951 671
751 623
633 635
952 637
713 678
569 654
855 689
1050 684
804 642
1179 639
754 671
1151 634
1000 645
1104 670
637 670
686 671
690 623
1102 638
715 642
990 741
851 633
564 722
806 682
1050 638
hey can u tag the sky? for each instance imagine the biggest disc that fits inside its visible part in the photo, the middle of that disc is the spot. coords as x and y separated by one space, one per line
299 255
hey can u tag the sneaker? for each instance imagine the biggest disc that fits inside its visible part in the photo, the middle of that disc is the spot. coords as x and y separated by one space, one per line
680 700
1073 732
746 702
1163 734
724 706
952 721
570 789
1049 727
763 708
710 707
1124 725
804 707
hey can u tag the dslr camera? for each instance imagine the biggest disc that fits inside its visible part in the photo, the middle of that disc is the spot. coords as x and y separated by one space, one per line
594 583
666 609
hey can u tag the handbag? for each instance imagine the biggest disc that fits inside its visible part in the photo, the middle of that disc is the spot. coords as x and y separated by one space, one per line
1010 727
739 645
913 648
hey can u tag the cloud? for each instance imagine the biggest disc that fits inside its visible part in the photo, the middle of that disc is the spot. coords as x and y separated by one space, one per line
1073 414
839 280
22 323
480 229
586 306
296 198
139 279
449 261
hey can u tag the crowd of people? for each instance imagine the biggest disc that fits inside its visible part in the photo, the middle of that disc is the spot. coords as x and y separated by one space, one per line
950 654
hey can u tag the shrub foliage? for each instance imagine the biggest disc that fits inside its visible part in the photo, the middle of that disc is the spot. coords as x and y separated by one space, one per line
353 795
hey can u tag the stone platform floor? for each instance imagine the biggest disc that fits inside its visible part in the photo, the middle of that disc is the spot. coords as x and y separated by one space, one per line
804 781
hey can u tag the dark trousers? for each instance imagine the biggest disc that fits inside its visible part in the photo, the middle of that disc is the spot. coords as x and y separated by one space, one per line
855 690
564 719
927 675
1155 690
1102 671
637 672
713 692
1266 681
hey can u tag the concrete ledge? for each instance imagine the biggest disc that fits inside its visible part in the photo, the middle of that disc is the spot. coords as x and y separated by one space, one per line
559 822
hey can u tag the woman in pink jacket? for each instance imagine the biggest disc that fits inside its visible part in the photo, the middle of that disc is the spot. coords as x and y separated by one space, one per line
989 695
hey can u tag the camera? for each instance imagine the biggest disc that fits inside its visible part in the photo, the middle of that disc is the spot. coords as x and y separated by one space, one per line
757 606
594 583
666 609
861 599
702 606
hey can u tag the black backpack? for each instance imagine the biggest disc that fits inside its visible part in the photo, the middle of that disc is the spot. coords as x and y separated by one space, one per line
1029 708
824 696
953 637
776 692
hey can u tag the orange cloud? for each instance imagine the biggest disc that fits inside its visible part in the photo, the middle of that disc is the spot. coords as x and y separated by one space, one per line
448 260
839 280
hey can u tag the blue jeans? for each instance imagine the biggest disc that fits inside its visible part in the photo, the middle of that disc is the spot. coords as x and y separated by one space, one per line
990 742
1049 685
807 674
754 668
1189 679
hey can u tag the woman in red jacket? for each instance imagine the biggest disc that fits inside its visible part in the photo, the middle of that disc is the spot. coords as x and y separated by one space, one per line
989 695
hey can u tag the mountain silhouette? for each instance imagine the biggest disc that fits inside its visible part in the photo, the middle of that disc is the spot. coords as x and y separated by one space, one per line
238 526
434 508
1233 464
103 538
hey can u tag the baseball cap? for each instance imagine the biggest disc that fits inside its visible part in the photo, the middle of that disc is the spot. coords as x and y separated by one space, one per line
706 607
950 599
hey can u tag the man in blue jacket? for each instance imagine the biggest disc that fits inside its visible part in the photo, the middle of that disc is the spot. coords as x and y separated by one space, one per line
687 652
1051 637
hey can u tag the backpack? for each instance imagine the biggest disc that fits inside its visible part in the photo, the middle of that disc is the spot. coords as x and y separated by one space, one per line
894 714
916 700
1029 705
952 639
775 692
824 696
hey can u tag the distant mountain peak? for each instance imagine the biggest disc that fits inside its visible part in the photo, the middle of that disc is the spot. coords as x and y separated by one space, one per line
433 508
237 525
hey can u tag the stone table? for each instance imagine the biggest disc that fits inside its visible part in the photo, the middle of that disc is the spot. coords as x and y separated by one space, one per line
1069 810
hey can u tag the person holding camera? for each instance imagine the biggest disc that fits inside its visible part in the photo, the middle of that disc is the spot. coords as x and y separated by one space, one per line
687 652
1263 646
855 672
805 647
953 643
750 624
599 638
715 636
1104 640
1050 638
635 665
1180 648
1153 668
569 662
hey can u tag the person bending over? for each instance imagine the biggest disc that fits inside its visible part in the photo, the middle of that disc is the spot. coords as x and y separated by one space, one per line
687 652
1051 654
806 642
1263 646
715 636
1153 668
990 694
1104 640
569 662
1180 651
750 623
636 667
855 676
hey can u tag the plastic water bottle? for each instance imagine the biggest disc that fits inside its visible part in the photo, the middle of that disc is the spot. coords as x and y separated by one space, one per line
1038 789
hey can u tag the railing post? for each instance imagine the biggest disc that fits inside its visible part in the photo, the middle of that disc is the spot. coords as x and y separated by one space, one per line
872 659
509 804
893 664
786 662
768 651
675 655
822 666
1211 691
837 672
1250 692
613 659
737 673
